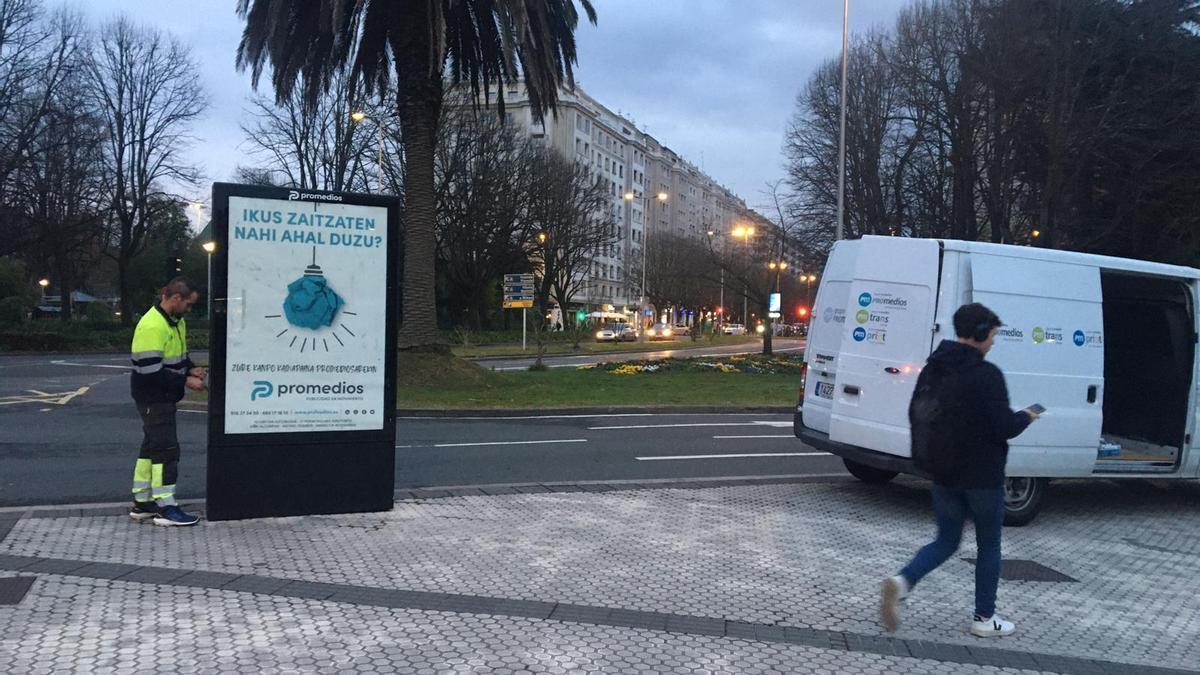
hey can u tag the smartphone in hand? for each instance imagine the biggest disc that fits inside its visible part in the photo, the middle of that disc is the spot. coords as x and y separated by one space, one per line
1037 408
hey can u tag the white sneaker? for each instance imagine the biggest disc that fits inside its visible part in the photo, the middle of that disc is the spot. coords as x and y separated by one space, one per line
894 590
993 626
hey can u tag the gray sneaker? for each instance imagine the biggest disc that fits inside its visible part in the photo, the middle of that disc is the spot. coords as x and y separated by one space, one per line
894 590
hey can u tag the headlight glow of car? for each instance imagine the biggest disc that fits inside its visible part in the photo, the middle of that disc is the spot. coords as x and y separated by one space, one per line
650 332
667 332
600 334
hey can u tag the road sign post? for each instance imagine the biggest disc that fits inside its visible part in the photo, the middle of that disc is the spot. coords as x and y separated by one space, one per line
518 293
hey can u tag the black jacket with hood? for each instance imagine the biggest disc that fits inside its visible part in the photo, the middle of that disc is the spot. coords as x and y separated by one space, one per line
983 420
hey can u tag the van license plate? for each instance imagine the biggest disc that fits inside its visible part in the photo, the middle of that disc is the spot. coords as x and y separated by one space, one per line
825 390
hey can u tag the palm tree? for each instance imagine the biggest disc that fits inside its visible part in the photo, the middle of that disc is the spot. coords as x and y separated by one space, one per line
416 45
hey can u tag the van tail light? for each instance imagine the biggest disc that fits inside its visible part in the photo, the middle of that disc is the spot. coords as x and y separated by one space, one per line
803 380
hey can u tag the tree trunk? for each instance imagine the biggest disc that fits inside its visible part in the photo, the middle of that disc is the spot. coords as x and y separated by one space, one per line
419 107
767 346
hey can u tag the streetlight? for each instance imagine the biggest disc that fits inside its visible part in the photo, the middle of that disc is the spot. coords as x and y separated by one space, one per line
841 196
209 247
358 117
744 233
629 197
43 283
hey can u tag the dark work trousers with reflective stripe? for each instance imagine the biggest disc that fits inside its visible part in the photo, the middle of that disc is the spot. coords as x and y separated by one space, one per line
158 460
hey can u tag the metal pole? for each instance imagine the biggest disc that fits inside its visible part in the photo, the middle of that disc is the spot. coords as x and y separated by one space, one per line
208 310
523 310
841 196
645 239
379 159
721 307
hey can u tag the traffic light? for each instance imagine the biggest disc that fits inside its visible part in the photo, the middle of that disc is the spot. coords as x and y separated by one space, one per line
802 312
174 266
580 316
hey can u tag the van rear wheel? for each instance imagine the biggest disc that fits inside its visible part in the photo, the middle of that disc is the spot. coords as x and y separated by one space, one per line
1022 499
868 474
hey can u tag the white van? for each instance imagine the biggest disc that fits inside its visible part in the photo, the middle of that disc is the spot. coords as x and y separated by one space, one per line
1107 345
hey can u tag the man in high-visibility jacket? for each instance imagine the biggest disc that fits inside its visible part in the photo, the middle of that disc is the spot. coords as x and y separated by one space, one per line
162 374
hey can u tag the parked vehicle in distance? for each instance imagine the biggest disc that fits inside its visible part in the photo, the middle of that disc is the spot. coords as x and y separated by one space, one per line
660 331
733 329
617 332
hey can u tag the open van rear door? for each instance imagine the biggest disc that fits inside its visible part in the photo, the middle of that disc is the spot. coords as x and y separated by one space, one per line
1049 310
888 335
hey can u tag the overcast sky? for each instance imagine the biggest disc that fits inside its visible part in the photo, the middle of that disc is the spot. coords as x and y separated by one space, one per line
714 80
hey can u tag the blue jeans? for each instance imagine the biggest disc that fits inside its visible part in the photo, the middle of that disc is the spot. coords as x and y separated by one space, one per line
950 509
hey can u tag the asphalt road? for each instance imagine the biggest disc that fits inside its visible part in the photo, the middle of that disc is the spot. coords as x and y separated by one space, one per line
69 434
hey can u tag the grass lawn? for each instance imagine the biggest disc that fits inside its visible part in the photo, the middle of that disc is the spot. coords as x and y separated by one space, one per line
433 382
589 346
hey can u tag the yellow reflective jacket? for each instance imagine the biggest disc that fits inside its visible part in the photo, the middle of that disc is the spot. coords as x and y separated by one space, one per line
160 358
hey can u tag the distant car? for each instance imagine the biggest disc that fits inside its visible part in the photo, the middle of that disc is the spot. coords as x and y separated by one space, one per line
681 330
660 331
616 333
733 329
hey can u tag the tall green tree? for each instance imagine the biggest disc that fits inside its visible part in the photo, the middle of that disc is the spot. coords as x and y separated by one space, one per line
408 48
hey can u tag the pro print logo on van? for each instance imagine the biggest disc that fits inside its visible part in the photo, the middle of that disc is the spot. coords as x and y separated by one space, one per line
860 334
1079 338
864 299
1091 338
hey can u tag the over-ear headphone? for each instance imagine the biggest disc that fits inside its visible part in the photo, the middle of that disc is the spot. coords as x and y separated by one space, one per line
982 330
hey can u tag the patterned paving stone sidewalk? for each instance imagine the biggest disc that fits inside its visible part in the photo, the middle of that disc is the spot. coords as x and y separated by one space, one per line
730 579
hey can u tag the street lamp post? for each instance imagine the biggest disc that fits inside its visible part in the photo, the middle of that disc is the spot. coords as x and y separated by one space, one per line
744 233
358 116
43 283
209 247
629 197
841 196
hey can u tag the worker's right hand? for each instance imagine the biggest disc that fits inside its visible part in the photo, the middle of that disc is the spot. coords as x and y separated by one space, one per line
195 384
1033 417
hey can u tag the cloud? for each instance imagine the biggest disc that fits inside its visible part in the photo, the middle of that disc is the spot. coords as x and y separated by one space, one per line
715 80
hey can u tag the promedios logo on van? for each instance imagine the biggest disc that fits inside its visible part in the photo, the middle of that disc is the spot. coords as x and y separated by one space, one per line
1079 338
860 334
863 316
864 299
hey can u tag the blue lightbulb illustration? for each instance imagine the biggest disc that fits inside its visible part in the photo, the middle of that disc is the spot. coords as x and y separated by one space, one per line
311 302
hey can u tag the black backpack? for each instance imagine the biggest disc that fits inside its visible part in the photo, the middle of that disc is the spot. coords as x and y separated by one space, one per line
931 417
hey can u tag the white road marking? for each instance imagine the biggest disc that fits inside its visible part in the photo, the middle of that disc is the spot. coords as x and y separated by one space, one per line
198 412
586 416
89 365
35 391
780 424
472 445
766 436
61 399
671 426
748 454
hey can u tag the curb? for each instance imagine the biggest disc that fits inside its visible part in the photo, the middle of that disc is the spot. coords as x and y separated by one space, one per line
11 514
402 413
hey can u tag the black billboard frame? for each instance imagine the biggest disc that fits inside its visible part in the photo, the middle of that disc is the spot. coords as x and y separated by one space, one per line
263 475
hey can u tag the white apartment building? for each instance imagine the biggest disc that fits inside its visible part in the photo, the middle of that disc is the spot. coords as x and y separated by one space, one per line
654 190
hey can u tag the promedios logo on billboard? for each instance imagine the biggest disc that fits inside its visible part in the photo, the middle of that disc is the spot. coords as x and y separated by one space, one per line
864 299
264 389
261 389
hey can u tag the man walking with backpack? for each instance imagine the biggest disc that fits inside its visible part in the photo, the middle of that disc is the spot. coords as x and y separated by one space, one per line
961 422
